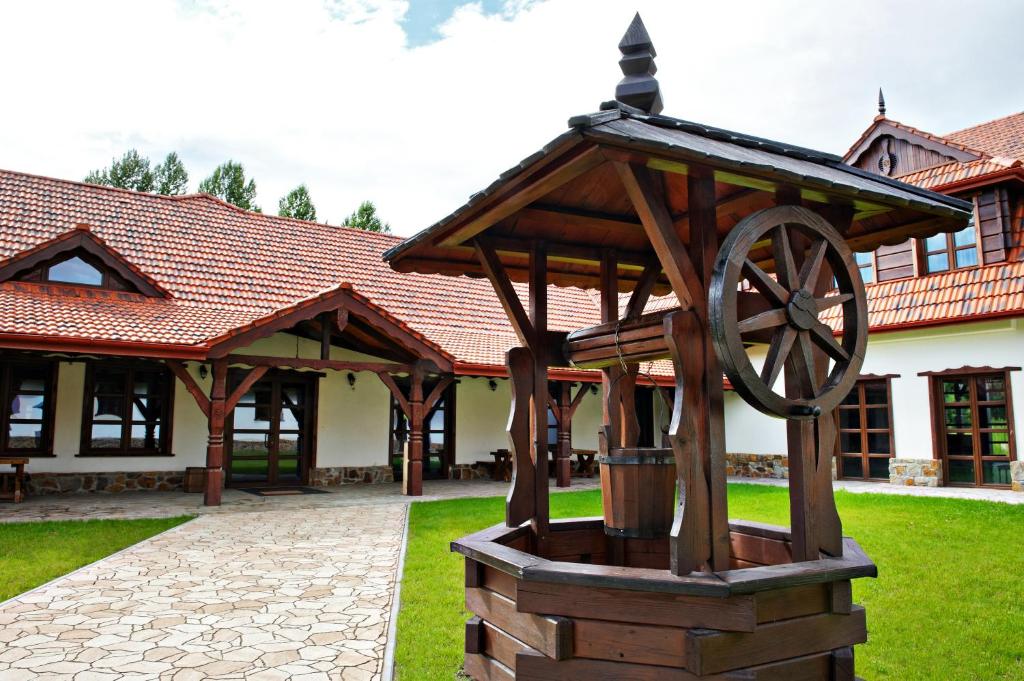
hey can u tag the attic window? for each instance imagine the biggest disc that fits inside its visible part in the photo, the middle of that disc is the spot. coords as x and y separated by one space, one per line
78 269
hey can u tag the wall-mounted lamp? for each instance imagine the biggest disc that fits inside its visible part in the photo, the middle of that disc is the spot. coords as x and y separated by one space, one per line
203 371
492 384
351 380
593 388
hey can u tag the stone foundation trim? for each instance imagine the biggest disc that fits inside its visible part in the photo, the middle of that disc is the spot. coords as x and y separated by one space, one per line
336 476
757 465
469 471
915 472
1017 476
106 483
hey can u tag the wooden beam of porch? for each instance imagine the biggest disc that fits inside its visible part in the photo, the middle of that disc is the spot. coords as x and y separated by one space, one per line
318 364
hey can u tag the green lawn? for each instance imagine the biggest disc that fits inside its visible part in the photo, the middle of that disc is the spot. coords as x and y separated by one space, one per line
947 603
34 553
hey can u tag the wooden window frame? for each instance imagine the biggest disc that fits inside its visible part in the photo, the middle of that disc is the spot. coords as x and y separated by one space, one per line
873 266
126 450
938 405
950 250
863 430
49 406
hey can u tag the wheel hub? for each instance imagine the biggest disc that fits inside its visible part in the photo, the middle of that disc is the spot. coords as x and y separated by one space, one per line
802 310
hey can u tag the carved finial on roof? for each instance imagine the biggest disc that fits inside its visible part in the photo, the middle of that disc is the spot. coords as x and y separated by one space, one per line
639 87
881 103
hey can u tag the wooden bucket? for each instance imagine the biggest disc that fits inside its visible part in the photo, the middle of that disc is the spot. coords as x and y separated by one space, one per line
638 490
195 479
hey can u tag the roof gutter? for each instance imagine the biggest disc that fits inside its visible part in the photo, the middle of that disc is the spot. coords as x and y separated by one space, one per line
18 341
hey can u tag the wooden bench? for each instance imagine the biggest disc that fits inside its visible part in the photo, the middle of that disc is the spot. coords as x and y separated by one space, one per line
12 485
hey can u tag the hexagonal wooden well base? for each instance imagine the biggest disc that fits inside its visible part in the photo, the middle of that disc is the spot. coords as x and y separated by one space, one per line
582 605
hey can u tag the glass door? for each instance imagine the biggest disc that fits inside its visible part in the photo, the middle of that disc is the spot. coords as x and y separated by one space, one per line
268 433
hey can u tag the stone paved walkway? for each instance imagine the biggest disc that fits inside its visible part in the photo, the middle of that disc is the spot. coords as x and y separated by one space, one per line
254 596
261 588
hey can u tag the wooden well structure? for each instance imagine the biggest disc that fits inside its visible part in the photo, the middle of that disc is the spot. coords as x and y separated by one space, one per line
754 239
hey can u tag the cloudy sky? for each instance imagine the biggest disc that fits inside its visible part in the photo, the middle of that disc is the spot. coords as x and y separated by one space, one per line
416 104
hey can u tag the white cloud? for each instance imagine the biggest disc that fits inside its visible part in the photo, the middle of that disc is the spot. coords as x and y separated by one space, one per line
330 94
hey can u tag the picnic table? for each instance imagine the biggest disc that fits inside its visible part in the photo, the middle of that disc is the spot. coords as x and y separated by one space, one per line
584 462
502 465
12 485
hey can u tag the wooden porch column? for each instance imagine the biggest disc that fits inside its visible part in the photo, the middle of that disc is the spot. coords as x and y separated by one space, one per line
563 451
412 476
215 442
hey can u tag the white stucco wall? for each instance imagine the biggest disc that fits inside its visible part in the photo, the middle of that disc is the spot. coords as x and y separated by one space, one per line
907 353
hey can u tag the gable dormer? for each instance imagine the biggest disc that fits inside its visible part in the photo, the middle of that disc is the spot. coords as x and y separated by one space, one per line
80 258
893 149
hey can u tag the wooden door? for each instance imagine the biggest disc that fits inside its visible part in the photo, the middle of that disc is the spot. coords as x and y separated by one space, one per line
270 432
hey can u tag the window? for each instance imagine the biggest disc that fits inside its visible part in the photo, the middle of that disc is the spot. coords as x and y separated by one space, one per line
943 252
973 422
127 410
28 388
866 264
78 269
864 422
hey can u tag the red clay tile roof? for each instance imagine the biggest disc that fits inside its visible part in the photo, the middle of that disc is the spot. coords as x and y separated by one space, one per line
1001 137
978 293
955 171
226 268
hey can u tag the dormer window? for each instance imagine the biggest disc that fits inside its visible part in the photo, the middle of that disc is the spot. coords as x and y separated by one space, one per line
944 252
78 269
75 271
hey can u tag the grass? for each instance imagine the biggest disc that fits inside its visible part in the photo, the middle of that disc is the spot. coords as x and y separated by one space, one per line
946 605
34 553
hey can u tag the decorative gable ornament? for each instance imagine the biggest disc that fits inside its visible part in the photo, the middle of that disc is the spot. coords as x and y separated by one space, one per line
638 88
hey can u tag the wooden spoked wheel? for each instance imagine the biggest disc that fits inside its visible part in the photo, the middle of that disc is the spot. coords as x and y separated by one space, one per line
814 271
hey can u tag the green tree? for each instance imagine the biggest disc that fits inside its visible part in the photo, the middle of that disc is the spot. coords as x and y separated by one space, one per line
228 182
297 204
365 217
131 171
170 177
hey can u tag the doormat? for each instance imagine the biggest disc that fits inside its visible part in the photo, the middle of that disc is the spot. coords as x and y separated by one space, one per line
281 491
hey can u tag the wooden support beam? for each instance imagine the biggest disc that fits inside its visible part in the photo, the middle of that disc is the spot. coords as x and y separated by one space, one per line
642 293
318 364
502 207
215 441
399 396
436 393
325 335
704 248
507 296
253 375
182 374
400 335
341 319
539 321
412 477
563 452
611 407
663 236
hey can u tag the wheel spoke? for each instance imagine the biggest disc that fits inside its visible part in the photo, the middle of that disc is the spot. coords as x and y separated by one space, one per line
802 359
768 287
785 267
778 351
824 339
763 320
832 301
812 265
